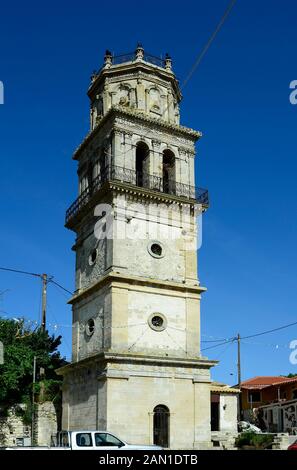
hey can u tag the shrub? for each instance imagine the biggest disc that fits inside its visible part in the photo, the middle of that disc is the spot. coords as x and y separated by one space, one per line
259 441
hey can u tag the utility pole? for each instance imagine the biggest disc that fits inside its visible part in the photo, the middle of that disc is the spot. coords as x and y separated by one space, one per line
44 286
238 361
33 401
239 377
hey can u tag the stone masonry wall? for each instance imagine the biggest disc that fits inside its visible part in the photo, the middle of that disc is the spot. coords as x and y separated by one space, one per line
13 432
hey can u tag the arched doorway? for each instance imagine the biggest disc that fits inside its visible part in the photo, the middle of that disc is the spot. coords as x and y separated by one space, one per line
142 154
161 426
168 171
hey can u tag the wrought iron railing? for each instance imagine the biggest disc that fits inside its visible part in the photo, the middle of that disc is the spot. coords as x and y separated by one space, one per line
130 56
139 179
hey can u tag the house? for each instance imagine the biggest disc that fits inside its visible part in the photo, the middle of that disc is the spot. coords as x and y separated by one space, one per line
273 400
224 410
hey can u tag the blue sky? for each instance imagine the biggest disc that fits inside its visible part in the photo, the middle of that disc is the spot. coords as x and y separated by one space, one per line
238 98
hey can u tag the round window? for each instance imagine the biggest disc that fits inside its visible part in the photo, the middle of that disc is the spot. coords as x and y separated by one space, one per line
156 249
90 327
157 322
93 257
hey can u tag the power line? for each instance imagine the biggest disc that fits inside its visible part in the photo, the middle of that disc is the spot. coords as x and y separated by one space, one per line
140 336
268 345
197 62
28 273
61 291
270 331
221 344
175 342
214 340
21 272
61 287
209 42
226 340
224 350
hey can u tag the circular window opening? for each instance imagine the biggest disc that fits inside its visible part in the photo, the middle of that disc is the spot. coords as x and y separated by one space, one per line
157 322
90 327
156 249
93 257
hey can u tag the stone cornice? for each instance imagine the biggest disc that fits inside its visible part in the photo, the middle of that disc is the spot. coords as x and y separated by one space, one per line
117 110
113 278
137 192
138 358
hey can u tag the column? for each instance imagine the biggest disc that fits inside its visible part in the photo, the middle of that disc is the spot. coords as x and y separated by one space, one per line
164 107
184 172
117 151
202 417
170 106
140 93
119 318
156 165
129 155
193 326
191 160
106 98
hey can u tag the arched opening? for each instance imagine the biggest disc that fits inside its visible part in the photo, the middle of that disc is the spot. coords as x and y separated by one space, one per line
142 155
168 171
161 426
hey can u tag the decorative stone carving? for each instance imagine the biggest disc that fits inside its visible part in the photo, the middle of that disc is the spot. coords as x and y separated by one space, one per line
93 76
139 53
107 59
156 143
168 63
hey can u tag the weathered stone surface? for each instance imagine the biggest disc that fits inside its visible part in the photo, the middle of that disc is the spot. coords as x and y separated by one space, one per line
13 431
128 365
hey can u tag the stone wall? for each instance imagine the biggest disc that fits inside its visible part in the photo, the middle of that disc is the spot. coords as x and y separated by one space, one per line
13 432
228 412
121 397
45 423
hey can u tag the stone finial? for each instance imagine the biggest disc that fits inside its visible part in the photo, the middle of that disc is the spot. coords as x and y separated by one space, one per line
139 53
168 62
107 59
93 76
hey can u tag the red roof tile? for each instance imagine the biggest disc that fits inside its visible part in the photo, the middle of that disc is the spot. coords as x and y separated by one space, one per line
266 381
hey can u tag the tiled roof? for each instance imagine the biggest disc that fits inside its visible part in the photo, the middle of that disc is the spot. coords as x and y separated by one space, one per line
266 381
218 387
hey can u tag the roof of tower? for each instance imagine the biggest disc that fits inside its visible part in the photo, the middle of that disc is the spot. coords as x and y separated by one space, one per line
140 61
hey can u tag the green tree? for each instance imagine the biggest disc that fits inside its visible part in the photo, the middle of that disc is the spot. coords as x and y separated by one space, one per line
21 344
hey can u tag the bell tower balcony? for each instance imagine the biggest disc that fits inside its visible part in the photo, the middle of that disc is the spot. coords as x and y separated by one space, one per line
133 179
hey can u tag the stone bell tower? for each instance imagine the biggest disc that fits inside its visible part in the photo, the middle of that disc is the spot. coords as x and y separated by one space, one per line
136 367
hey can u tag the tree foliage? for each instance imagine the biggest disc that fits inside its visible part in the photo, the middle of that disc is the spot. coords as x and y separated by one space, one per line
21 344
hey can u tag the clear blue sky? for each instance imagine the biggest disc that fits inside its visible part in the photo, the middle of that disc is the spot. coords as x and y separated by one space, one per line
238 98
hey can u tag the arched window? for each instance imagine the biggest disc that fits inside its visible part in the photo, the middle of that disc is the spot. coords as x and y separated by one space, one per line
161 425
168 172
142 154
